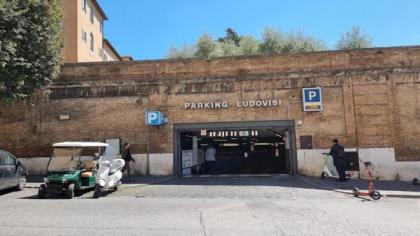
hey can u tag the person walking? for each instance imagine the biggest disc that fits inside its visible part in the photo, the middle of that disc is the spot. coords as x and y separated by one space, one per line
337 152
210 159
126 155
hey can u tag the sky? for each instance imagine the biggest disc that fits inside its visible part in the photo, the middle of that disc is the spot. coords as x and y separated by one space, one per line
146 29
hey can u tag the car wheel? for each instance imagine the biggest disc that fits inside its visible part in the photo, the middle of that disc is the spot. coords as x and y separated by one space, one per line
22 183
98 191
70 191
42 191
375 195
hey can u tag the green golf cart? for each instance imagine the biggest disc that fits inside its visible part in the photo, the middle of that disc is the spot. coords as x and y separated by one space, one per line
71 168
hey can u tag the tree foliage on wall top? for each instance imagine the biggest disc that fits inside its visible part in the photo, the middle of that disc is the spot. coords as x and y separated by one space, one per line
273 42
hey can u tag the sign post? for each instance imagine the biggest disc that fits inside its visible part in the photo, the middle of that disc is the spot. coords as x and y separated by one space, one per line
312 99
153 118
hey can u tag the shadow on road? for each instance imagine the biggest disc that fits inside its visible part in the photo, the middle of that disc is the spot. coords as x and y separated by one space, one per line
380 185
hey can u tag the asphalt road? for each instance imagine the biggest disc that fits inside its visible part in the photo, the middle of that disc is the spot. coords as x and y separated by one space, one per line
247 206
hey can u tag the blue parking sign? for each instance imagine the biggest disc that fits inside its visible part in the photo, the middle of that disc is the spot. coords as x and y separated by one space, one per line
312 99
155 118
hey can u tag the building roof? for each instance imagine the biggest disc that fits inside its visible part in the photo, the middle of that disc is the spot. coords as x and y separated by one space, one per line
98 7
127 58
106 42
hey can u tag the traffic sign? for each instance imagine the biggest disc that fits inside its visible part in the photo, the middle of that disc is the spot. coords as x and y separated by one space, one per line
312 99
155 118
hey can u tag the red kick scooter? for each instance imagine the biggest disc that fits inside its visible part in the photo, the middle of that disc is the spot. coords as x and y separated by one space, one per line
371 190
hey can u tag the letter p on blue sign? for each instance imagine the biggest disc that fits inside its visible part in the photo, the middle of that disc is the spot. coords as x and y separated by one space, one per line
312 99
155 118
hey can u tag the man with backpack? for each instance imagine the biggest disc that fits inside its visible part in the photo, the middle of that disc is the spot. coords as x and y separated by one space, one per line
337 152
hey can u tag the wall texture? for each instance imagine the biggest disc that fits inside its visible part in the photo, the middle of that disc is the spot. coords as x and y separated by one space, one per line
371 100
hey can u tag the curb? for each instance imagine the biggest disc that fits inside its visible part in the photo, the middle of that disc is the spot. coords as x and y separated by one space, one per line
145 184
389 195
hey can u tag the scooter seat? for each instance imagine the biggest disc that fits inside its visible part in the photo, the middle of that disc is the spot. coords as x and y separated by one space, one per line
86 174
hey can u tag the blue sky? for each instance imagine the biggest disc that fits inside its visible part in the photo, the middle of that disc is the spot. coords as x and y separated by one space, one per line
146 29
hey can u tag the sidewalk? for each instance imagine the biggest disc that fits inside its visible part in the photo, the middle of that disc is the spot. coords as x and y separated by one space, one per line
386 188
35 180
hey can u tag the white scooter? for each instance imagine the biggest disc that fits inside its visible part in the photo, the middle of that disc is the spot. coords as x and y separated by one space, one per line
108 175
329 169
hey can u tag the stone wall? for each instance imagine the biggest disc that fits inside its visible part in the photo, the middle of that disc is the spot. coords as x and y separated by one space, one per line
370 100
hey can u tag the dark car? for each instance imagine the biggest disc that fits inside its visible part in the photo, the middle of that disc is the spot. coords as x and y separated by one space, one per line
12 173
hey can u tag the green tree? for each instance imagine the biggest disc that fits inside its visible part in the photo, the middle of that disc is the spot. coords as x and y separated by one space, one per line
272 41
249 46
353 39
185 52
31 45
231 37
233 44
277 42
224 49
205 46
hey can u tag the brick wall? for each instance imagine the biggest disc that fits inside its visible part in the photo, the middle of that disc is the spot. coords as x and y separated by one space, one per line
370 99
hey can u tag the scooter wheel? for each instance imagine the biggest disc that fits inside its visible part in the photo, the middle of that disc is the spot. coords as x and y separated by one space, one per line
355 192
323 175
98 192
415 181
375 195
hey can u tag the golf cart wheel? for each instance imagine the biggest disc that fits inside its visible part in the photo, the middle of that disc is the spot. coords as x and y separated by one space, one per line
415 181
355 192
98 191
375 195
70 191
42 191
22 183
323 175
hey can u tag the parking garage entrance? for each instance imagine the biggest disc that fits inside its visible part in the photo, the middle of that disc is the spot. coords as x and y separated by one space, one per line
235 148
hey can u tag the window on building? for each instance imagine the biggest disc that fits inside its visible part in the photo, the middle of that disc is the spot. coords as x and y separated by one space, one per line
84 36
84 4
92 42
91 15
101 26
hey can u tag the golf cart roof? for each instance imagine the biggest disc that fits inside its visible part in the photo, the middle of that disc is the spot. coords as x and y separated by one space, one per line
80 144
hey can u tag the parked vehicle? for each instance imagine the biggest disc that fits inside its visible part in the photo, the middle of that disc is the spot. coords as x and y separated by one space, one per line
371 192
329 169
13 174
109 175
71 168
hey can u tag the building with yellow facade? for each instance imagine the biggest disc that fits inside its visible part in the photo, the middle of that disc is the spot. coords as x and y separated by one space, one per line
84 39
